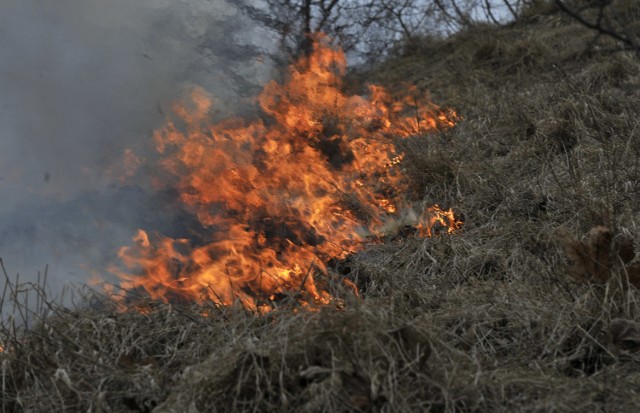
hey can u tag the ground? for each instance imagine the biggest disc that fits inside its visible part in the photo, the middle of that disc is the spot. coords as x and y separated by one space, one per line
531 306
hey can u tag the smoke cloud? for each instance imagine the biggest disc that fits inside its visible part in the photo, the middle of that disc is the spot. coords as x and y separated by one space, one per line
81 82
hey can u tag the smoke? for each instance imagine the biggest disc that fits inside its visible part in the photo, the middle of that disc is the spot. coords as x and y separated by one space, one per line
81 82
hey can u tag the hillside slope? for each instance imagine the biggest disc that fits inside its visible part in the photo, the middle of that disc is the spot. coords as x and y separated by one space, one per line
532 306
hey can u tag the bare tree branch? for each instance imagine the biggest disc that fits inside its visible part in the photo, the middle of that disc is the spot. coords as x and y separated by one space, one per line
511 8
487 9
598 25
375 27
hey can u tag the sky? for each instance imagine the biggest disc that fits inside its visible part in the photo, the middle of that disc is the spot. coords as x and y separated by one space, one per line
81 81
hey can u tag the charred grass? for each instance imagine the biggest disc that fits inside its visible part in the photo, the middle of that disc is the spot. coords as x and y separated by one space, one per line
532 306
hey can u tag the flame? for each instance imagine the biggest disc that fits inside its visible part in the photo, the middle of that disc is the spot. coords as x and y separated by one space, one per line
434 217
278 198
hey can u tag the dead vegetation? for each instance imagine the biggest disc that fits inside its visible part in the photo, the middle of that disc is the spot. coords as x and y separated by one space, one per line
595 259
519 311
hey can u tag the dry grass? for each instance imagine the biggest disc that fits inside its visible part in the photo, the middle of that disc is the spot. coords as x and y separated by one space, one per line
528 308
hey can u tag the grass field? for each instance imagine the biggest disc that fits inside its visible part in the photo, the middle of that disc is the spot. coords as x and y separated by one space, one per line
532 306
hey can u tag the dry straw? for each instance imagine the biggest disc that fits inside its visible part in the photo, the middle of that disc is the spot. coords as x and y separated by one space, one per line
533 306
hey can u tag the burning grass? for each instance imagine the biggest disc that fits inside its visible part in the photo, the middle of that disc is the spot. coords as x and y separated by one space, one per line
277 198
533 307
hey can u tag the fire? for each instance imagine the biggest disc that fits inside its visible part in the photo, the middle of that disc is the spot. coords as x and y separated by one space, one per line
277 198
434 217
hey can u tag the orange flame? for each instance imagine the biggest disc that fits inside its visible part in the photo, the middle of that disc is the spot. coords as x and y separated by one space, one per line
434 217
278 198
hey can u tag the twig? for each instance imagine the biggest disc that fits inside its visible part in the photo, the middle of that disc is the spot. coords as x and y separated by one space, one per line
304 280
598 24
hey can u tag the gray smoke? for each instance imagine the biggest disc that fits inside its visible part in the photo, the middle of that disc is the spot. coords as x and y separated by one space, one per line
81 81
